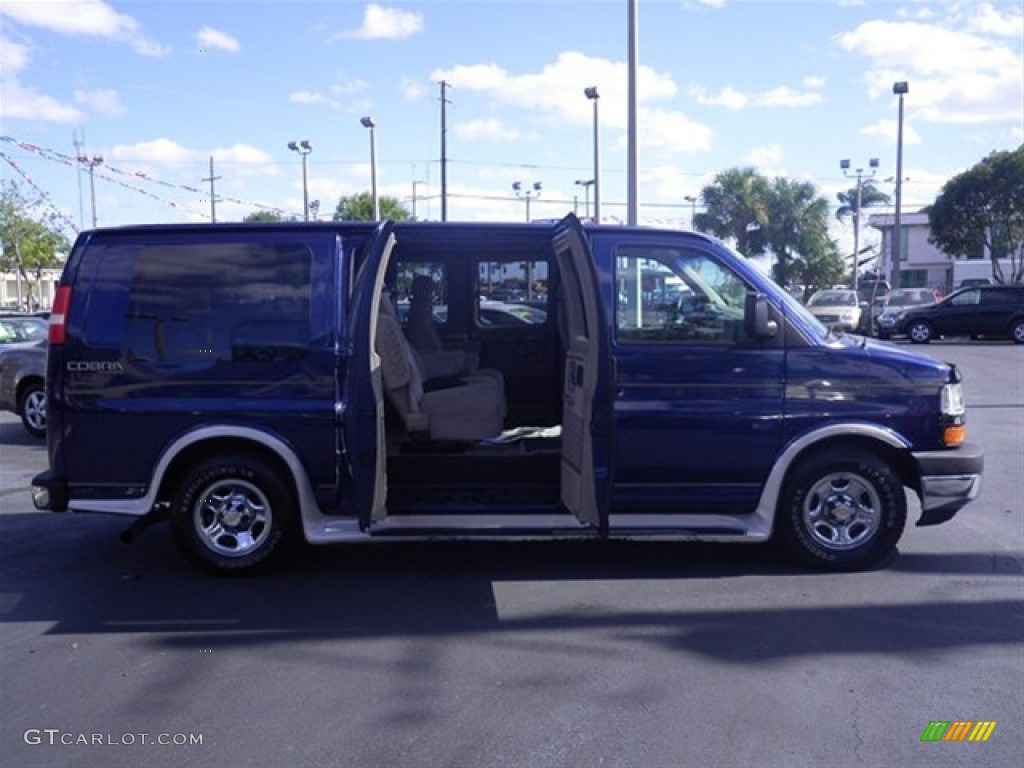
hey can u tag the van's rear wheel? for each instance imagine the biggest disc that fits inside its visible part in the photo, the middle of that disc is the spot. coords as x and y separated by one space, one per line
842 511
233 515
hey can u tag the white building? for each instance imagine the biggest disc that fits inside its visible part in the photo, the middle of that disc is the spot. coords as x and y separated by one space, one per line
14 291
923 265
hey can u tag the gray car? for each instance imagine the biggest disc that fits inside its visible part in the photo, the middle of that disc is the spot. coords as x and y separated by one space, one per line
22 384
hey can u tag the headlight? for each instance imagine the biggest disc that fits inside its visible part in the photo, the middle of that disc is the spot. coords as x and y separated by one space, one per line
952 400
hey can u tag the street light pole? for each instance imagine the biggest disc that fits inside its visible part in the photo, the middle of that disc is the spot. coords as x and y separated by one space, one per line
692 200
91 163
527 194
303 148
586 184
367 122
900 89
592 94
845 165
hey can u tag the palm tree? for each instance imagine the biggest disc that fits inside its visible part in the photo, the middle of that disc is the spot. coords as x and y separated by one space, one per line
797 226
736 208
869 195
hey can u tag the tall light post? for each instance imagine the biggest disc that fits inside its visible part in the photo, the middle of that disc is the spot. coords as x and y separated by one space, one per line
900 88
692 200
859 173
303 148
586 184
367 122
91 163
527 194
415 196
592 94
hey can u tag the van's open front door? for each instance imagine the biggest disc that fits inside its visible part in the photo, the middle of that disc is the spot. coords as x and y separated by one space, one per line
586 398
362 388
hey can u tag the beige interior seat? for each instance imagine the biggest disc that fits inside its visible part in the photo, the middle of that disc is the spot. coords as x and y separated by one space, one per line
472 409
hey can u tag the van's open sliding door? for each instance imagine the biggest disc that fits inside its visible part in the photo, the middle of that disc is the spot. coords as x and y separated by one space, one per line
586 399
362 391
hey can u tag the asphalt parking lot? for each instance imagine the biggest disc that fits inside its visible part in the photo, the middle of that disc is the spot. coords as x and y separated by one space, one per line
627 654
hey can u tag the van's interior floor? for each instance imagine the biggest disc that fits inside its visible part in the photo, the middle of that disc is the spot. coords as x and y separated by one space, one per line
518 473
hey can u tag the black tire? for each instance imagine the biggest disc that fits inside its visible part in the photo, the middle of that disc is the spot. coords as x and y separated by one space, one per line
32 409
920 332
1017 331
842 511
234 515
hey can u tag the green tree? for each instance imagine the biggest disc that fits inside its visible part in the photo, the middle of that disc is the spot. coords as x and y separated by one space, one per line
736 208
267 216
796 233
360 208
983 207
30 242
786 218
869 195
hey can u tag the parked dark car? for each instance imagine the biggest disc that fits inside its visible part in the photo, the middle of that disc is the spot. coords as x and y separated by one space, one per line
22 384
899 302
986 310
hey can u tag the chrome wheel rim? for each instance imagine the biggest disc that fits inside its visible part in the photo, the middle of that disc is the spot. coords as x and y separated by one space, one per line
920 333
842 511
232 517
1018 333
34 409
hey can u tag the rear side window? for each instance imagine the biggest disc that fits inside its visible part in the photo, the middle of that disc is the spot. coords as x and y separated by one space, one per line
227 302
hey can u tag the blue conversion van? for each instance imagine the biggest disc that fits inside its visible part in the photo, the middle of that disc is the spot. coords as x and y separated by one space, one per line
265 386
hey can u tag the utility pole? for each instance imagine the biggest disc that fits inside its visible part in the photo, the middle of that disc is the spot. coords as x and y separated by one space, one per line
844 165
91 163
444 151
79 143
213 195
632 191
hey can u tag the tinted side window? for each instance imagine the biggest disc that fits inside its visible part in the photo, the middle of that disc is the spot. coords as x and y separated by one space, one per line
672 295
225 302
966 299
512 292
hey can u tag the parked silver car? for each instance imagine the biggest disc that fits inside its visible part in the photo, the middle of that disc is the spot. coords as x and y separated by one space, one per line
22 383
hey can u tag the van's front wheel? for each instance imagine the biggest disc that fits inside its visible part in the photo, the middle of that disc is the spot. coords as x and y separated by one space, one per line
233 515
842 511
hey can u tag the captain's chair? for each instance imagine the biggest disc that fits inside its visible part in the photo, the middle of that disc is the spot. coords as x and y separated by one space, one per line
470 410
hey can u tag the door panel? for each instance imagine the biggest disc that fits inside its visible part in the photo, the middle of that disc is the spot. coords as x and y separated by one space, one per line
362 404
585 404
698 403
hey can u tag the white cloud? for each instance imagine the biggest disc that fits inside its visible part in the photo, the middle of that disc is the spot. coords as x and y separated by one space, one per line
782 96
557 89
380 23
888 131
247 159
975 79
728 97
787 97
491 129
160 152
306 97
93 18
349 87
411 89
21 102
208 38
663 131
71 17
767 159
105 101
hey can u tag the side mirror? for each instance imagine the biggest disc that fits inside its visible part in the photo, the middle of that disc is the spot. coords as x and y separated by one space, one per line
757 319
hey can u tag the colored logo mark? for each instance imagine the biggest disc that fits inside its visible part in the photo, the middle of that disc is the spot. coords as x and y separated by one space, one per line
958 730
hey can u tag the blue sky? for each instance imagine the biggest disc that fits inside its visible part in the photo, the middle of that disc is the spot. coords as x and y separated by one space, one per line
156 88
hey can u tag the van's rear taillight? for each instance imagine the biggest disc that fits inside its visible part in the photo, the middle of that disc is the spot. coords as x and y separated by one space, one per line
59 314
